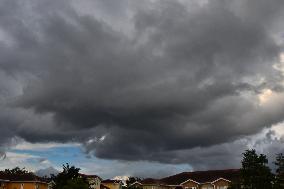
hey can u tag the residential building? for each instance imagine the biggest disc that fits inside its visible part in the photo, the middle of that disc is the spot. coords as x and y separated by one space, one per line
22 181
93 180
50 184
137 185
214 179
104 187
112 184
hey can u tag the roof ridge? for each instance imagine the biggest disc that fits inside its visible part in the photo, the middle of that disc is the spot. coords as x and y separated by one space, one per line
212 170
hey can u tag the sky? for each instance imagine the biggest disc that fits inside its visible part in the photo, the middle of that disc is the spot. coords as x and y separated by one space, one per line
143 88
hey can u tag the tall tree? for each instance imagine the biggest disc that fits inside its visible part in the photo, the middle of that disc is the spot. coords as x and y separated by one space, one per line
279 183
69 178
255 173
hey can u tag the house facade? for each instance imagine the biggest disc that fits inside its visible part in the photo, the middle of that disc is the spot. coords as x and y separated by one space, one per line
93 180
3 183
24 181
25 185
215 179
112 184
220 183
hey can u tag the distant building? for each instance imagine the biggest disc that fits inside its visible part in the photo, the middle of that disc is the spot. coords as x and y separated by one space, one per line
93 180
215 179
22 181
136 184
112 184
104 187
50 184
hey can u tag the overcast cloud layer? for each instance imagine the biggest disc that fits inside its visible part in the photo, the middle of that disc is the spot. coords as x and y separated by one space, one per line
141 80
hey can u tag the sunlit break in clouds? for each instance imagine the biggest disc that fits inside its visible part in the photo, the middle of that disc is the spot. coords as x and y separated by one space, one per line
140 85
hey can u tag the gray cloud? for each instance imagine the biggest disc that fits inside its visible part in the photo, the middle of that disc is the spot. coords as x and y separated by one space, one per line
184 77
47 172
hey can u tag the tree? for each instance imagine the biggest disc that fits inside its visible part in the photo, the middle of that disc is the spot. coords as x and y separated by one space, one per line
16 171
279 182
77 183
255 173
69 178
235 185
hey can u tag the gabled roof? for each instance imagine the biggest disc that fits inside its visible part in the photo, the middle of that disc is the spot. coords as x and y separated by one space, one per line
220 179
202 176
136 182
189 180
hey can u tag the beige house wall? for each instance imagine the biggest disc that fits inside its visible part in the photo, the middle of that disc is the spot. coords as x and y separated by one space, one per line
26 185
3 185
206 186
190 185
222 184
155 187
94 183
113 185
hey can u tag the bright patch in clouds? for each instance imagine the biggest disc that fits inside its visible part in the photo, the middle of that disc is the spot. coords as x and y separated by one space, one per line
28 160
265 96
17 158
41 146
279 130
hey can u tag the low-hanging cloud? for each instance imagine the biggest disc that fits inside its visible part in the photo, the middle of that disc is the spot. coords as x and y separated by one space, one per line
182 77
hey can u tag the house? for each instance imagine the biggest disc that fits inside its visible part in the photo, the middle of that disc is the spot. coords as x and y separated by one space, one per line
104 187
93 180
150 183
22 181
50 184
214 179
112 184
3 183
136 184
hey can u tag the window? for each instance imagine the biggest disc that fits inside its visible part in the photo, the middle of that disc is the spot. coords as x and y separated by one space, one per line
36 186
222 187
207 187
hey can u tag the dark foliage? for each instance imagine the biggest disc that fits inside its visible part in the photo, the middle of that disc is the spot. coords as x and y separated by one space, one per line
69 178
255 173
16 171
279 181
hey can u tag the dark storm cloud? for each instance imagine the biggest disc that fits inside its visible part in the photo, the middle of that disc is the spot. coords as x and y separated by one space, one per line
184 77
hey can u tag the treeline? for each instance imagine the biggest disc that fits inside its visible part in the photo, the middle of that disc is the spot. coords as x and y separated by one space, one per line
69 178
17 171
256 174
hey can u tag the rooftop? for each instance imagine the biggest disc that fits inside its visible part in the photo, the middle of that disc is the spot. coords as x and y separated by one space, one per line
197 176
